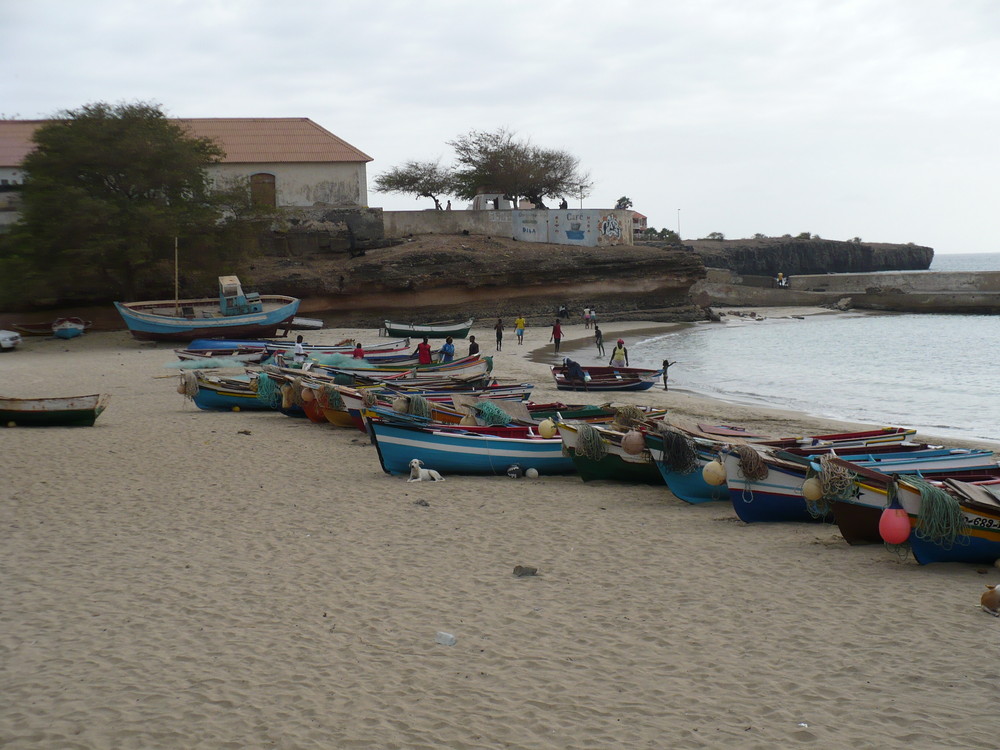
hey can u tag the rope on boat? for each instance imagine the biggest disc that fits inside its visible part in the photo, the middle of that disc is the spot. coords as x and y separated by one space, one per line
369 398
492 414
941 520
267 391
589 443
629 416
751 464
838 484
679 452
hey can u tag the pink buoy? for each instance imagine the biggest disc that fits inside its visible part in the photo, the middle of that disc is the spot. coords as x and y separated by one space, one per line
894 524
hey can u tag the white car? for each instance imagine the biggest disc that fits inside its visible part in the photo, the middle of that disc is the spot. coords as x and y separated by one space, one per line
9 339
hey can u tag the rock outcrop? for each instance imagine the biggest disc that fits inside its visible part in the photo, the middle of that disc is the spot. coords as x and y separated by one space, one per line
792 256
446 276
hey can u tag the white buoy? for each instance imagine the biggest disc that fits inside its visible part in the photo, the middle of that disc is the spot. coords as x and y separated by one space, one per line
714 473
531 473
812 489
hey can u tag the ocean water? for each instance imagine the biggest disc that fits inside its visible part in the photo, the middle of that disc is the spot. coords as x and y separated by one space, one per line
936 373
966 262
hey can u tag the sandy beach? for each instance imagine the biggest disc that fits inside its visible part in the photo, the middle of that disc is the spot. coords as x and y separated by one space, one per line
175 578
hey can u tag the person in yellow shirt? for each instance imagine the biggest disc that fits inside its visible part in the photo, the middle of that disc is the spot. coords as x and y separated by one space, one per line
519 325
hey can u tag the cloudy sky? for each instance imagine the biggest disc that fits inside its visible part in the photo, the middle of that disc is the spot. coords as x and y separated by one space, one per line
871 118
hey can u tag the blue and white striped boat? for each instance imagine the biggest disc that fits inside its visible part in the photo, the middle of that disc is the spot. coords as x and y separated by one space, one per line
462 451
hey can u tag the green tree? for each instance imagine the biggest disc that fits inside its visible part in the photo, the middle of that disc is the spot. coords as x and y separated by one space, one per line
424 179
623 203
106 191
498 162
715 236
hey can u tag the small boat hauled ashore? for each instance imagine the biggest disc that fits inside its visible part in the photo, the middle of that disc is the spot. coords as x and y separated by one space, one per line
65 411
234 313
430 330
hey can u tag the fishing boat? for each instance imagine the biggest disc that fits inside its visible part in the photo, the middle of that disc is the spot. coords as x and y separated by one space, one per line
467 367
460 450
682 451
607 379
430 330
858 509
274 345
233 313
64 328
63 411
768 485
602 452
213 392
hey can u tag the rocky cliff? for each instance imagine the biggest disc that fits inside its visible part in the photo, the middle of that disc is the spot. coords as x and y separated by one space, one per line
433 277
792 256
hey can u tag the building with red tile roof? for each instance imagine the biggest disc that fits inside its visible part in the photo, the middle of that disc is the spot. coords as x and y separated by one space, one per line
290 161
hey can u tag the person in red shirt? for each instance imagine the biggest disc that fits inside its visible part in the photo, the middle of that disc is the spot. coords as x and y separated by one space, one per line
556 334
423 352
359 353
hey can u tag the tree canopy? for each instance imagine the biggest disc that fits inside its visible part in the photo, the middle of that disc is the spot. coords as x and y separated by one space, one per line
492 162
424 179
623 203
106 191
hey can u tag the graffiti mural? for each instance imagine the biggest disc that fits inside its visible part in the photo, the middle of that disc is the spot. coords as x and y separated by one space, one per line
611 227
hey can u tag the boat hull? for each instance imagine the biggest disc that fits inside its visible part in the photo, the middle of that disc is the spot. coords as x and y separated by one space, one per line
454 452
72 411
455 330
146 324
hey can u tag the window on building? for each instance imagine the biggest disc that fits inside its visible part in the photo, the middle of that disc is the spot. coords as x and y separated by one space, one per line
262 189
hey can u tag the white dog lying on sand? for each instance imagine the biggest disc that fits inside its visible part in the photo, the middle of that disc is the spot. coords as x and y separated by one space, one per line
420 474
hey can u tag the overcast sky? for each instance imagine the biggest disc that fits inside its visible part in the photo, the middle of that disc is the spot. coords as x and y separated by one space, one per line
843 118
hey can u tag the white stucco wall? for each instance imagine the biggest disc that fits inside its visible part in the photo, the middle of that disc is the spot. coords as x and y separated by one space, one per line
338 184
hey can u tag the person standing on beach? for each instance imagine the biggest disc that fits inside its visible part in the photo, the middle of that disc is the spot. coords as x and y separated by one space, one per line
359 352
499 329
300 351
666 366
448 350
519 325
556 334
586 318
423 352
473 346
619 355
599 340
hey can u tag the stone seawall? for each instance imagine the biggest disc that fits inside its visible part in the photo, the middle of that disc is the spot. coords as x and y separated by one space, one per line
914 292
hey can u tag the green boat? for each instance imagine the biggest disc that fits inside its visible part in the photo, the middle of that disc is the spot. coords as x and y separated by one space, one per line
65 411
613 463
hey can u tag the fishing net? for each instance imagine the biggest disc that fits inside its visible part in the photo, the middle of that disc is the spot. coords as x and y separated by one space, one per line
336 359
188 385
679 452
492 414
629 416
589 443
418 406
268 391
342 378
205 364
838 484
941 520
369 398
330 398
296 392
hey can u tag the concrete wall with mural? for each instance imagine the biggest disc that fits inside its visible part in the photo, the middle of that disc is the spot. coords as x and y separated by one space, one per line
587 227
